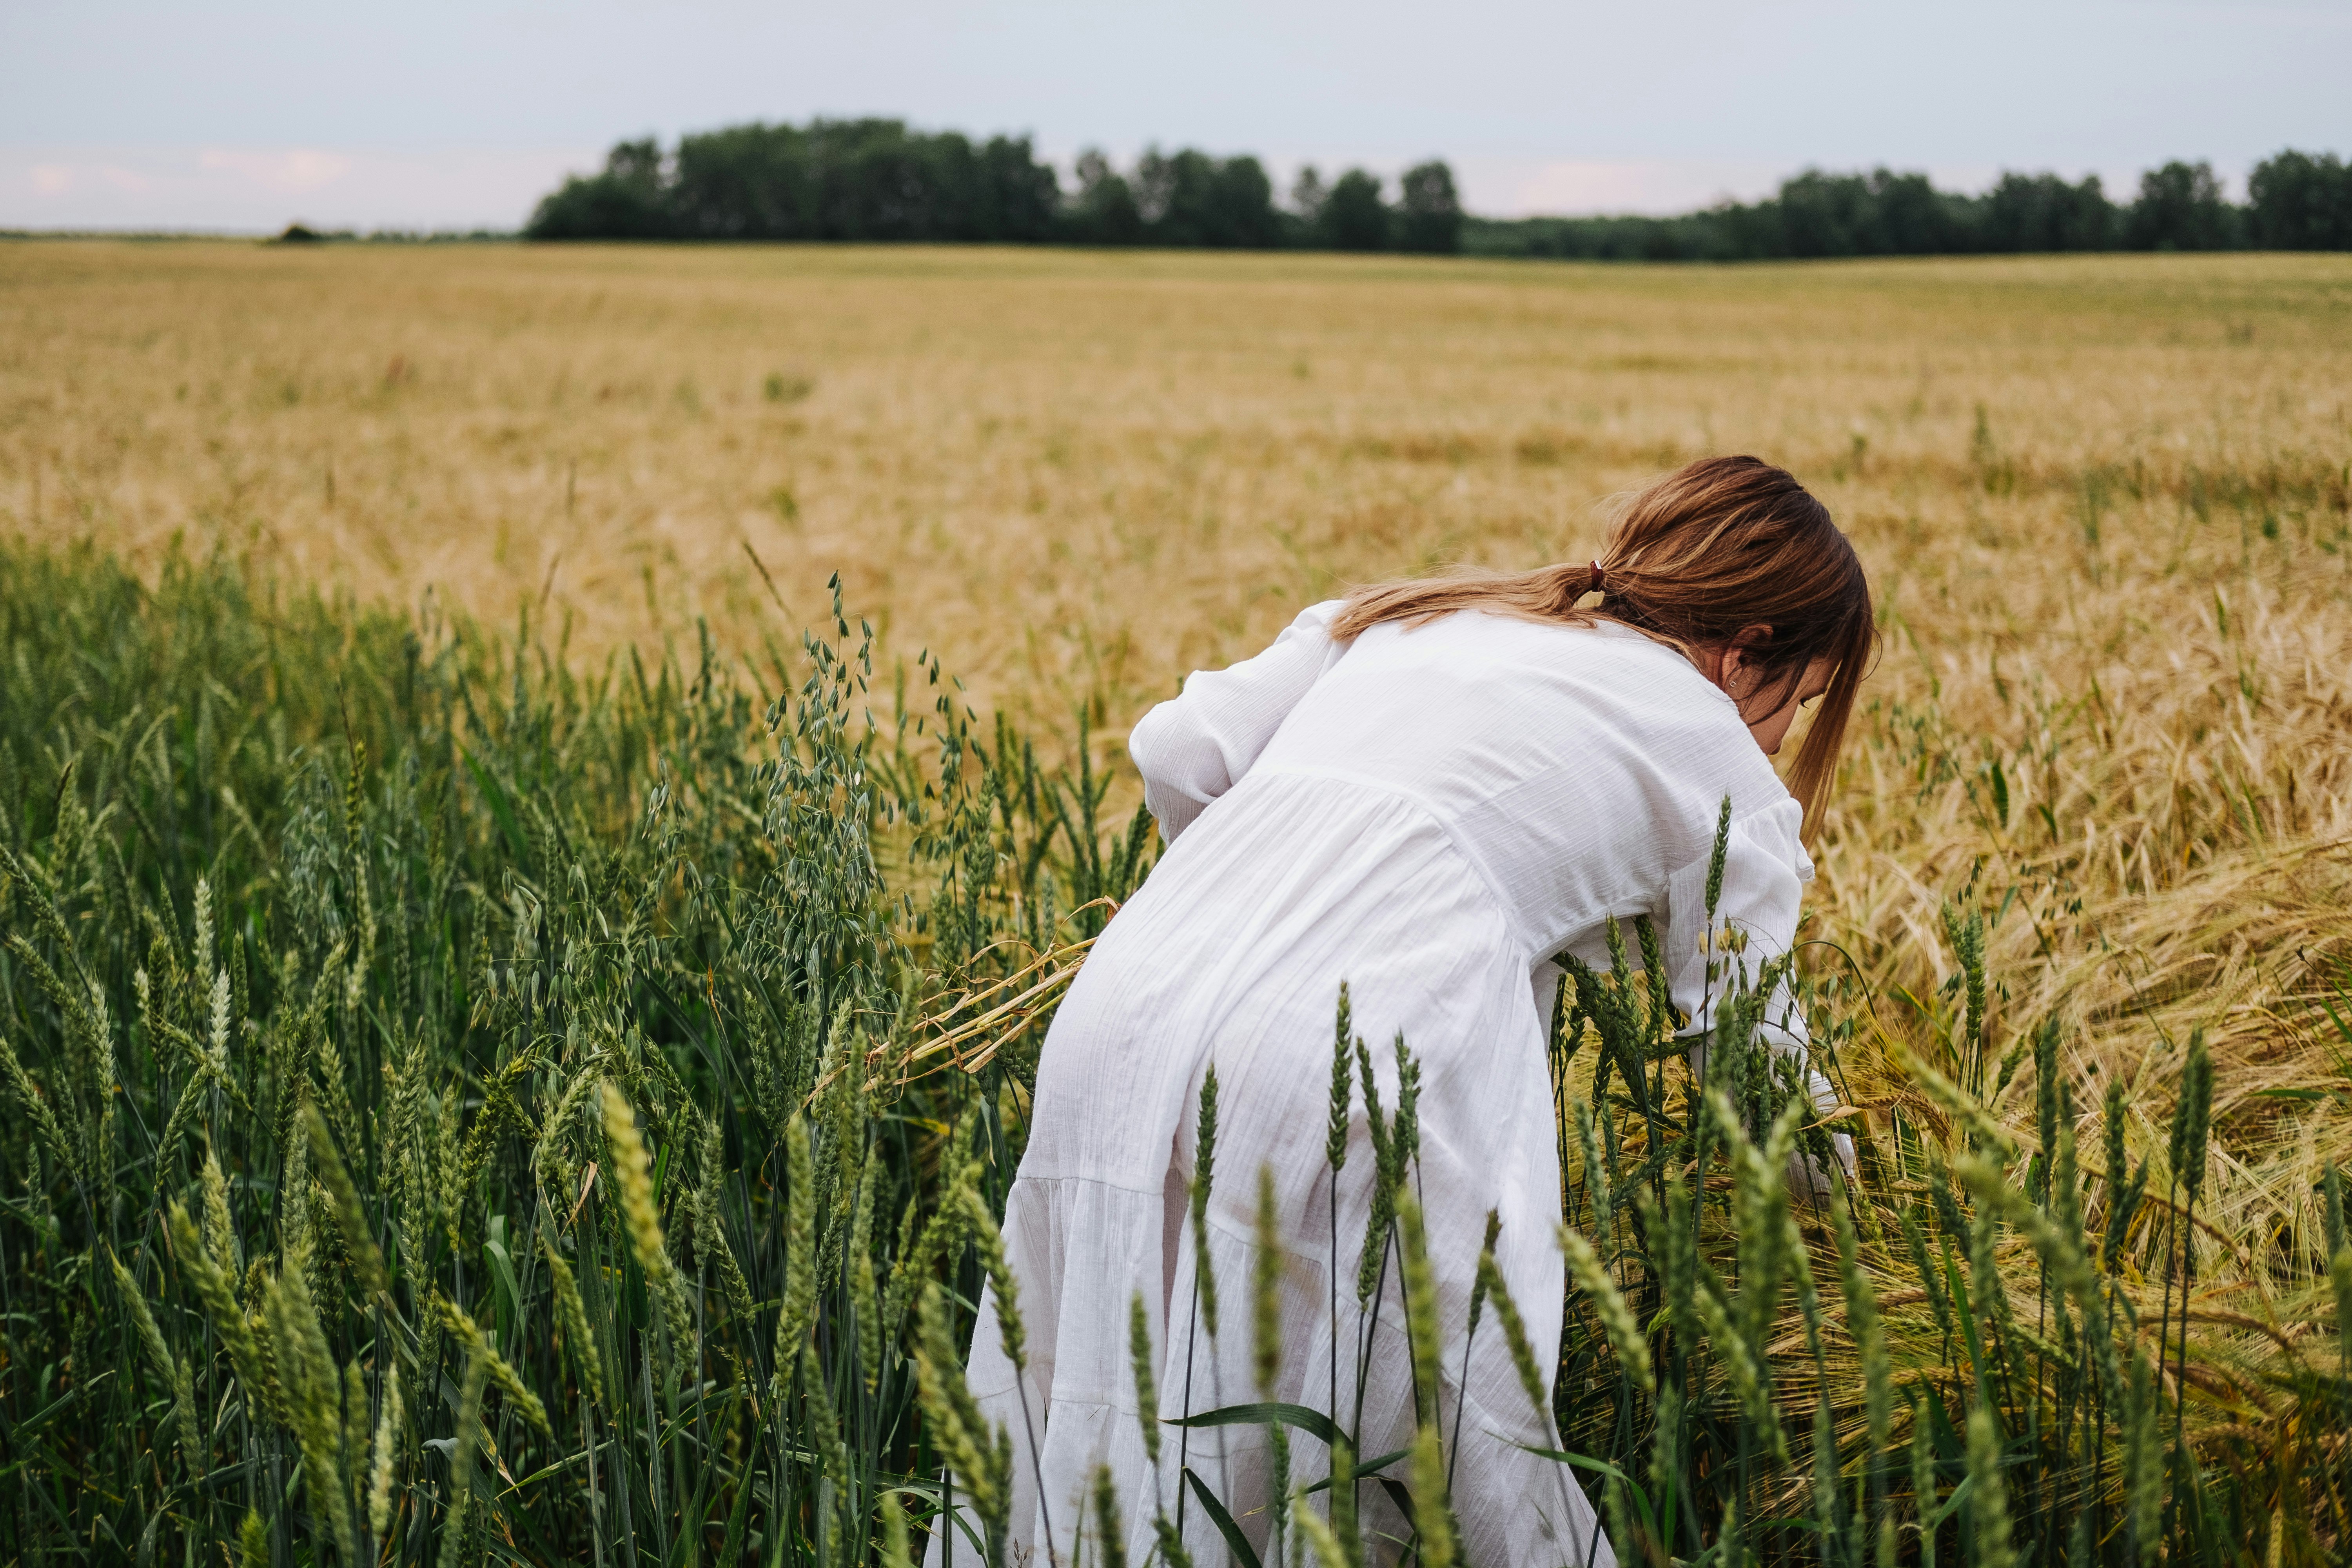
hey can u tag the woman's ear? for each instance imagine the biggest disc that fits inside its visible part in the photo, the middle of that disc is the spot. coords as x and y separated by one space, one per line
1734 666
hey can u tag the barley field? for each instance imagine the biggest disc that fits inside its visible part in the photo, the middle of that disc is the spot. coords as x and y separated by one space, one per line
422 797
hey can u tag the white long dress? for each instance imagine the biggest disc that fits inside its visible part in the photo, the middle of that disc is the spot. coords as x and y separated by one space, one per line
1429 814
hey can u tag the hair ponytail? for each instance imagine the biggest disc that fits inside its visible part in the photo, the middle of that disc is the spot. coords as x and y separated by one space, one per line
1694 560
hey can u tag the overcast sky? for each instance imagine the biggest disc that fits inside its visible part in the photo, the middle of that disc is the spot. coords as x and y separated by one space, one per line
243 115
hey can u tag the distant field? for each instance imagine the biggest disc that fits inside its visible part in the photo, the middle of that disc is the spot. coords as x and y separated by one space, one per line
2103 499
1081 473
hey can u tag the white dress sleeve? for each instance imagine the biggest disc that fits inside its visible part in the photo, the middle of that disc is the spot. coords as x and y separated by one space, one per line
1194 747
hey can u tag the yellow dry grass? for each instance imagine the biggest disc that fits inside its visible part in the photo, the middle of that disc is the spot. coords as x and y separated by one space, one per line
2104 501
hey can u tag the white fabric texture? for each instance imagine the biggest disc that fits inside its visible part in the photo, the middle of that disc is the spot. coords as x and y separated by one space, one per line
1429 815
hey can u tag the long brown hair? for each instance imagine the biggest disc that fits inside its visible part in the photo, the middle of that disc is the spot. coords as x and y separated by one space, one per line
1694 560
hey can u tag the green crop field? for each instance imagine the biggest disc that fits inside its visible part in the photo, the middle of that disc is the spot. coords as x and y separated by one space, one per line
518 995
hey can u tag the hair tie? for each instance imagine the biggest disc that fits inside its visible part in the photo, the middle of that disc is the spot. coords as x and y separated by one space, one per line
1596 587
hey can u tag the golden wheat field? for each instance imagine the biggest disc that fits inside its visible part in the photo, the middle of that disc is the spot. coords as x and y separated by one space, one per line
2104 501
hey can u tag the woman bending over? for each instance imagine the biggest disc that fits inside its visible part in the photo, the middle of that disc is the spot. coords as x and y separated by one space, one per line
1427 790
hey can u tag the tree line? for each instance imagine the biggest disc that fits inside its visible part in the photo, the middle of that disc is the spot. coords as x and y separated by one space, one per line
2296 201
878 180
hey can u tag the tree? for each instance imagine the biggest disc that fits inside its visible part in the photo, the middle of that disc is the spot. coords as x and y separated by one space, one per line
2179 208
1824 214
627 201
1911 217
1020 198
839 179
1161 190
2299 202
2032 213
1188 198
1104 212
1239 211
1308 195
747 182
1432 212
1878 213
1354 217
875 182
